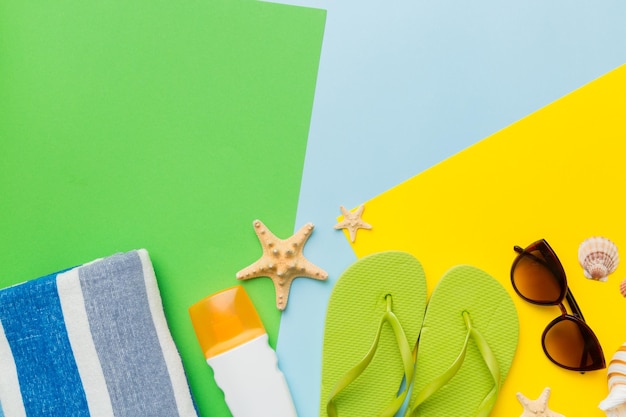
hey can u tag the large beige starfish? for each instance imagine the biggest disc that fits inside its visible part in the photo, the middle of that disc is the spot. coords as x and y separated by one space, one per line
282 261
352 221
538 407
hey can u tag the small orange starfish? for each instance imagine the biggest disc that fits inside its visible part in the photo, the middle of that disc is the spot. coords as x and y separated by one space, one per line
352 221
282 261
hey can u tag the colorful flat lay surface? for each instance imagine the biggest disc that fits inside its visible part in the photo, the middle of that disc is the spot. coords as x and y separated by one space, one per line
555 174
159 125
174 127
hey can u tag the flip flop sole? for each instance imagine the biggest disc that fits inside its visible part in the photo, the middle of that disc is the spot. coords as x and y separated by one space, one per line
355 308
493 314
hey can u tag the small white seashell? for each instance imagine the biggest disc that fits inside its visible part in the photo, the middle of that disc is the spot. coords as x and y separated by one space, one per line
614 405
598 257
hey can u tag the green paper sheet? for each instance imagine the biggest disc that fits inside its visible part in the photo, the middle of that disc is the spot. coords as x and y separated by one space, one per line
157 125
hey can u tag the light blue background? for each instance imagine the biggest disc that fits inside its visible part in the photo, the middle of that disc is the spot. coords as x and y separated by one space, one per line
403 85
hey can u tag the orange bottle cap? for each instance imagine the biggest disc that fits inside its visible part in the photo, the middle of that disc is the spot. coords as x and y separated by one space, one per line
225 320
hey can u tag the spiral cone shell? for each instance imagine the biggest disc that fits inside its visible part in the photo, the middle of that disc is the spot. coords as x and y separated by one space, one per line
614 405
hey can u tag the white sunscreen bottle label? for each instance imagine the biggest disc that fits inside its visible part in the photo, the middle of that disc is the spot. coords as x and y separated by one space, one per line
252 383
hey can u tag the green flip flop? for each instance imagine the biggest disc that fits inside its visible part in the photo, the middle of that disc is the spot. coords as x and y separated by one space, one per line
373 321
466 346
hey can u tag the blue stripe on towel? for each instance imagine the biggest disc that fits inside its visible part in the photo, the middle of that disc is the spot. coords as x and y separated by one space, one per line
132 361
34 327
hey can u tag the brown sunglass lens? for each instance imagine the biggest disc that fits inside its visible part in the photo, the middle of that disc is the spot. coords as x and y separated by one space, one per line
535 281
571 344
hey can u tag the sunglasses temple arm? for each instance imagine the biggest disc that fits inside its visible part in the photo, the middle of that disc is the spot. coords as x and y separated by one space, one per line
573 305
588 350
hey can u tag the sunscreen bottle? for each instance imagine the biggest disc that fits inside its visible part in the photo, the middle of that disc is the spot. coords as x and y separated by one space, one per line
235 345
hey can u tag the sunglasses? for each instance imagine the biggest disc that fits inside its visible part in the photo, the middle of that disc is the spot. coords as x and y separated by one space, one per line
538 277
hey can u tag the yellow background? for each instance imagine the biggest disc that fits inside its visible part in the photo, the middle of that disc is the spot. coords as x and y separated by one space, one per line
557 174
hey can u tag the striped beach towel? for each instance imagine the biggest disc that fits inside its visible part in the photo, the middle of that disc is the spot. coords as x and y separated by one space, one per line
90 341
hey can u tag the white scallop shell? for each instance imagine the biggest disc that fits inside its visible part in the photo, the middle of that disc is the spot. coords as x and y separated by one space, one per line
614 405
598 257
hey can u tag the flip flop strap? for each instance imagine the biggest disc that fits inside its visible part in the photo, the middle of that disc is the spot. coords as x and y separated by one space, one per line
490 360
353 374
